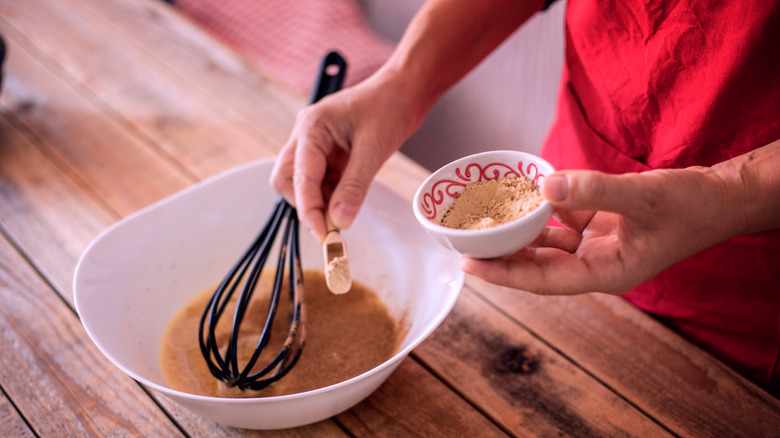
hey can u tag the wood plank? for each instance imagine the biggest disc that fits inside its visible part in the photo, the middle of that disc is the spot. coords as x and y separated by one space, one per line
670 379
49 216
265 105
437 410
200 427
97 147
57 378
265 109
522 383
11 423
75 387
158 103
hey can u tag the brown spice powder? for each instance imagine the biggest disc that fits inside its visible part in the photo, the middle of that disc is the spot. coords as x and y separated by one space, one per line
490 203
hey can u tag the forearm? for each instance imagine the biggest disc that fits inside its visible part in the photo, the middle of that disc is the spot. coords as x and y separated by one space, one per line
448 38
752 189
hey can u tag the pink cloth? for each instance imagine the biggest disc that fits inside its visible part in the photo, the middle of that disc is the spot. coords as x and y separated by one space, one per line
288 38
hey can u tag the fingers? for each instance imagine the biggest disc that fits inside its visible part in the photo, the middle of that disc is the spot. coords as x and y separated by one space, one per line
591 190
543 271
300 171
576 220
548 257
281 174
623 229
348 196
551 271
308 174
317 171
337 147
557 237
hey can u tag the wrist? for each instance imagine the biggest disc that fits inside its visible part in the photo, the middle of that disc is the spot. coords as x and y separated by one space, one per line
724 192
404 96
751 183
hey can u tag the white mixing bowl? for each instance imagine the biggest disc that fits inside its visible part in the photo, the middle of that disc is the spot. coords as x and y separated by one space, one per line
137 274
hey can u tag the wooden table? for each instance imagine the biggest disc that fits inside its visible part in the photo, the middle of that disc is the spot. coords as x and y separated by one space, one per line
109 106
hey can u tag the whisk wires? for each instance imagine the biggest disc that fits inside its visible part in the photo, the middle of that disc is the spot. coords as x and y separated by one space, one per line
223 362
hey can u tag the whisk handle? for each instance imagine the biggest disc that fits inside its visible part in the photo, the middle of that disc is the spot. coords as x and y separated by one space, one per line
330 78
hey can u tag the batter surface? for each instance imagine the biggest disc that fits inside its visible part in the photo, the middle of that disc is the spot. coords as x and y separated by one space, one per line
346 335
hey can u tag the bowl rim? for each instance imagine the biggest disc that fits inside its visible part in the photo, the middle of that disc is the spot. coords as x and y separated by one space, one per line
542 209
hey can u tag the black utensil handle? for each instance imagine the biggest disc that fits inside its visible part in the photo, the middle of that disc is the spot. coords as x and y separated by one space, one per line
2 60
331 76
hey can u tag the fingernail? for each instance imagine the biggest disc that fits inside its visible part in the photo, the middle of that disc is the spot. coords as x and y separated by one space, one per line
555 188
316 236
343 214
465 265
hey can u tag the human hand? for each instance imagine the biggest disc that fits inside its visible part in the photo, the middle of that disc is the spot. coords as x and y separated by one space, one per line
336 148
620 231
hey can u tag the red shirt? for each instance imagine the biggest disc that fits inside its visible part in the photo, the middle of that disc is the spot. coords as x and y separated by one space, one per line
672 85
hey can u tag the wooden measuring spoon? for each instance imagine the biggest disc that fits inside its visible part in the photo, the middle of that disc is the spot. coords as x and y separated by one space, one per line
334 249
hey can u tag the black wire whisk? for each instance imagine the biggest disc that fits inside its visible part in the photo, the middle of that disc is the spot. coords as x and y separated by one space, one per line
223 360
243 277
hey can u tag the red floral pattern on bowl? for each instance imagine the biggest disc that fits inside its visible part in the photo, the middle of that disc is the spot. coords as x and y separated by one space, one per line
474 172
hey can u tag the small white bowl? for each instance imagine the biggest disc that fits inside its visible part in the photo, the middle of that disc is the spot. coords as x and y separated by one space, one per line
435 195
135 276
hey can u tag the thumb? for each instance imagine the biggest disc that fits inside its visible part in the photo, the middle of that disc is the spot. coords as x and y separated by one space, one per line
592 190
350 192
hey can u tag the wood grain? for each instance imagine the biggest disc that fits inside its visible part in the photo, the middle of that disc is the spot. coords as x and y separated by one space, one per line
521 382
160 104
98 147
49 216
257 102
413 403
58 380
672 381
11 423
199 427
